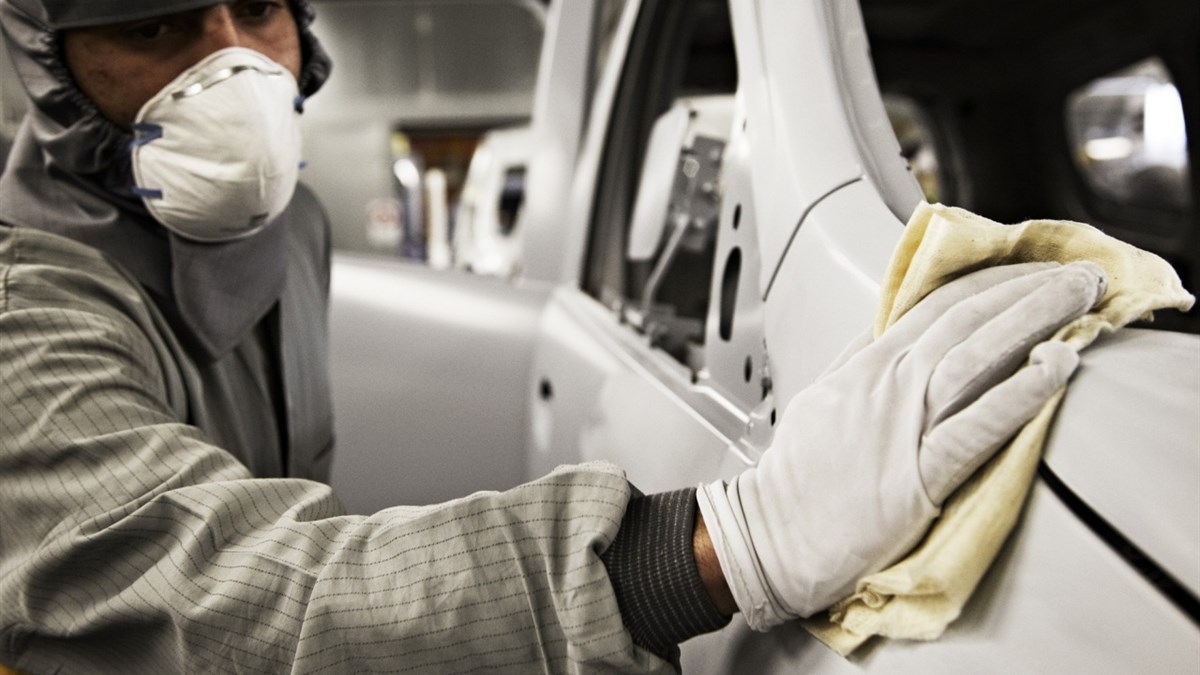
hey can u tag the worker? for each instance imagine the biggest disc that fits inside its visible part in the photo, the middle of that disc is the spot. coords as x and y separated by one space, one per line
166 429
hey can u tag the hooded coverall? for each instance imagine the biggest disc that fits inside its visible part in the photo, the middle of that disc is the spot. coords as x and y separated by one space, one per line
165 423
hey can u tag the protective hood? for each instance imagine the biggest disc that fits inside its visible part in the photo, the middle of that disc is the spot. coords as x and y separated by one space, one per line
69 172
60 14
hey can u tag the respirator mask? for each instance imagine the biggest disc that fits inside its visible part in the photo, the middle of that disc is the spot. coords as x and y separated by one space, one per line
216 153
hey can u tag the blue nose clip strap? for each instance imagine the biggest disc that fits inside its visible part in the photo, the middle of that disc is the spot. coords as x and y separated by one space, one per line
143 134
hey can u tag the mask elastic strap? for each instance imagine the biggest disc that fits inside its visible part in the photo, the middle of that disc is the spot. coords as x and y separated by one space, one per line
146 193
298 104
144 133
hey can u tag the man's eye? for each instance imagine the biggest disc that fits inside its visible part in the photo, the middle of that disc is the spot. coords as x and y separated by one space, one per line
148 30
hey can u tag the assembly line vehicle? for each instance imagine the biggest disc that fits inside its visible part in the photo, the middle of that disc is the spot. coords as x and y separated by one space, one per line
708 213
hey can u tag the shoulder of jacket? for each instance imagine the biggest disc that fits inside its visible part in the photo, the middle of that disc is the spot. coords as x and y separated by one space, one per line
41 269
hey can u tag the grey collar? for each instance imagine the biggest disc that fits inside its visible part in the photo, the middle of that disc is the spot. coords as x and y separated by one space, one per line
213 294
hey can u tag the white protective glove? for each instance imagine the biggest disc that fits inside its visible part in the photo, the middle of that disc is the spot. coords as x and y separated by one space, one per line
864 457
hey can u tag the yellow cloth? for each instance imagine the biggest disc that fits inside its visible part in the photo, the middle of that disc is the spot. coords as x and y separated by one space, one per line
920 595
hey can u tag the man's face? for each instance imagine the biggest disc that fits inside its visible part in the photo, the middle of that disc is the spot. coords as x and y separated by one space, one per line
121 66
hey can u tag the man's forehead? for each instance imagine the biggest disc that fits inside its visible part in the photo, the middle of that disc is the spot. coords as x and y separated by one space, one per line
60 14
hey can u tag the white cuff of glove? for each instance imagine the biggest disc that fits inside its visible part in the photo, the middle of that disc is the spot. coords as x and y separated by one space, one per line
739 564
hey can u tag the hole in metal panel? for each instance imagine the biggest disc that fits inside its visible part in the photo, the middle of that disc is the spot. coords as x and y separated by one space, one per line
729 288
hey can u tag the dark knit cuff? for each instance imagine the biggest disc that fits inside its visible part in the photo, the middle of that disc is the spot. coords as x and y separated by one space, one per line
653 571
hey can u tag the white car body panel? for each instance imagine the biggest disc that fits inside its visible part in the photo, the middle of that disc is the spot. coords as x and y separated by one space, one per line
613 403
559 111
803 134
1141 477
1055 601
481 242
827 287
428 373
561 263
1058 599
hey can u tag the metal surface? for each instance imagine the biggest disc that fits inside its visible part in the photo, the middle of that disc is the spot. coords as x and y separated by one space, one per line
483 242
615 398
694 206
827 286
557 228
824 223
1127 442
560 111
735 352
817 219
1057 600
796 121
429 372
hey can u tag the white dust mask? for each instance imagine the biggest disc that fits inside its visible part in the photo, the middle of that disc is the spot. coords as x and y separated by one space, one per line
217 152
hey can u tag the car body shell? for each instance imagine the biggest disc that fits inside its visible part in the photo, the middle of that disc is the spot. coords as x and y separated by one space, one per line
446 382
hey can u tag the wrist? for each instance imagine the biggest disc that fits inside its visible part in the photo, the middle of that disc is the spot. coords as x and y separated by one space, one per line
737 569
709 567
652 568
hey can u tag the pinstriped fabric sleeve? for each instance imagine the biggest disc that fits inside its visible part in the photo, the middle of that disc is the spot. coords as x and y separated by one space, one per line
128 543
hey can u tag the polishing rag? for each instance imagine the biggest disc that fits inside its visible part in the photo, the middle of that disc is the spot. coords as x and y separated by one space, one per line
918 596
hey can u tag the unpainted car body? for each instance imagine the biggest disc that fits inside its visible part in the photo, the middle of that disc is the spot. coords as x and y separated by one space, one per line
489 210
672 360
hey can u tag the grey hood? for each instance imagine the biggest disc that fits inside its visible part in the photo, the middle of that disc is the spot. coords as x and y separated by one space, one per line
69 172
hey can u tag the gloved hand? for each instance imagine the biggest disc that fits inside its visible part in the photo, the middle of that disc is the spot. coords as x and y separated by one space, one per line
863 458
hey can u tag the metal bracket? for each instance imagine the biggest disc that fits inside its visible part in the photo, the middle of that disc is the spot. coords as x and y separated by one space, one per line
692 213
